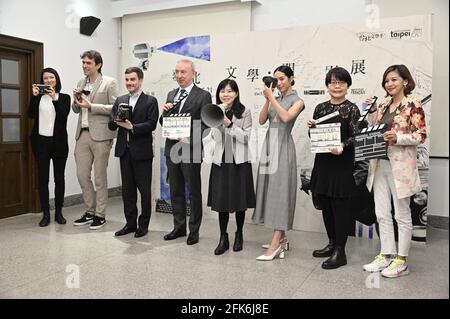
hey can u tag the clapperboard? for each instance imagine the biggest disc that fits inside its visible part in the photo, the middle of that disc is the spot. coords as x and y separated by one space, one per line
177 126
370 144
323 137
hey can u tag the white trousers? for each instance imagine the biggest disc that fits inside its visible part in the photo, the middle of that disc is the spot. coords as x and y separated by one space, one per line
383 188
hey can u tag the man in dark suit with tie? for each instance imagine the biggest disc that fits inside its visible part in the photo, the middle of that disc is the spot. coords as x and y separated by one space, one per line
134 148
184 156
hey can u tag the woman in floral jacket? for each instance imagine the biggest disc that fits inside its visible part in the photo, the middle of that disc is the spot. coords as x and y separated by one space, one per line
397 174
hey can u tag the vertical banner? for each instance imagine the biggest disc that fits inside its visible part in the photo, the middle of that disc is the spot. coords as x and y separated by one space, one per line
310 51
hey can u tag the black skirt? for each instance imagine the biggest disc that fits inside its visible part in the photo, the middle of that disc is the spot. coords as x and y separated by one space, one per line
231 187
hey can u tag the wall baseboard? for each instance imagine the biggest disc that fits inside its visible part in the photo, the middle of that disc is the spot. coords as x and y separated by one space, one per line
77 199
437 221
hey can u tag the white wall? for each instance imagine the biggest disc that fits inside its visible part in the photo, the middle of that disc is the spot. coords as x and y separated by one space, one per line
54 23
276 14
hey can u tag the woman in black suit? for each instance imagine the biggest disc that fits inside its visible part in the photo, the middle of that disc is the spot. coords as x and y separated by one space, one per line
49 140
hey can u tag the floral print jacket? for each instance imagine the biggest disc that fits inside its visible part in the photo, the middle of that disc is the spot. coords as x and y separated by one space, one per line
409 124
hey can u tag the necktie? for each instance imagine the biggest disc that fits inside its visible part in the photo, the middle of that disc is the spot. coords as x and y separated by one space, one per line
177 103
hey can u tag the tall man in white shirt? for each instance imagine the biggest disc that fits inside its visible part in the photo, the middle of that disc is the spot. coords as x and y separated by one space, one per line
93 101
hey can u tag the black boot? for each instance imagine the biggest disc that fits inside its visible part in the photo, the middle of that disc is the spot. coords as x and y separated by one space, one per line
223 245
59 217
45 219
325 252
336 260
238 241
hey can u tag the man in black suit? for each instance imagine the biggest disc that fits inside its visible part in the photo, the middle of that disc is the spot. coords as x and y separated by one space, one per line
184 156
134 147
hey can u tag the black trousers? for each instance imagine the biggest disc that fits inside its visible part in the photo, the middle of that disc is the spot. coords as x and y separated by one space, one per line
182 174
45 153
136 175
337 218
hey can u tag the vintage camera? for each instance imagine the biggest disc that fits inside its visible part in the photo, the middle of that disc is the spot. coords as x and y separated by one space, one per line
124 112
44 89
270 80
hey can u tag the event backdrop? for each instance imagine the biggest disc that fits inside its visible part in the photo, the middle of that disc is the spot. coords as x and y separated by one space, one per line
311 51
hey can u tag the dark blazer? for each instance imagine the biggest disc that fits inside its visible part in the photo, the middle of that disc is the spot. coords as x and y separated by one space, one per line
62 109
144 119
194 102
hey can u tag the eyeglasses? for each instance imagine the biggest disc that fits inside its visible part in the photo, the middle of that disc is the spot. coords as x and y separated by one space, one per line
86 92
340 83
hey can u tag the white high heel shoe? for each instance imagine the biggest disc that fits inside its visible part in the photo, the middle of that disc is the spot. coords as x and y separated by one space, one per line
284 242
279 252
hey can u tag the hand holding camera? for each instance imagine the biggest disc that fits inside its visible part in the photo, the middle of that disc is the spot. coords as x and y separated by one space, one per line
123 113
270 82
43 89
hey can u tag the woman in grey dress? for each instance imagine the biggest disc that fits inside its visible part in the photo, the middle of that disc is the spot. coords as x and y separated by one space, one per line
276 189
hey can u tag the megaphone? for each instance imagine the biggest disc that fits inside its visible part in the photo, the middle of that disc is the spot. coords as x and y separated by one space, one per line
212 114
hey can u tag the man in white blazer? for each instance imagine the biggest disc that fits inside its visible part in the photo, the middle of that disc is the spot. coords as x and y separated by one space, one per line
93 101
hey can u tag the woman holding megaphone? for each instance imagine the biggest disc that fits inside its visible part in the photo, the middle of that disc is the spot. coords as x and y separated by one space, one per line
231 180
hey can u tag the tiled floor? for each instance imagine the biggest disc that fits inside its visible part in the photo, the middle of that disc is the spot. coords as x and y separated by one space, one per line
45 262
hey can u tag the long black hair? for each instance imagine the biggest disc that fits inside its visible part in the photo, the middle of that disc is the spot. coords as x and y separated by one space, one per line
237 107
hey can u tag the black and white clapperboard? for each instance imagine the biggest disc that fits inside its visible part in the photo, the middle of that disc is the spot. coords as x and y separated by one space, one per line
369 142
323 137
177 126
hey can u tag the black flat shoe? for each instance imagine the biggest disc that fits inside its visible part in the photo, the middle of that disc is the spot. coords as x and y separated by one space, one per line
192 239
140 232
45 221
327 251
336 260
174 234
125 230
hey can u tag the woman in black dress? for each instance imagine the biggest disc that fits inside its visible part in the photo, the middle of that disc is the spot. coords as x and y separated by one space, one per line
332 181
231 180
49 140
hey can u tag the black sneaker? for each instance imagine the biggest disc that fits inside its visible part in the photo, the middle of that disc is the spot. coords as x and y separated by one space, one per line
84 220
98 222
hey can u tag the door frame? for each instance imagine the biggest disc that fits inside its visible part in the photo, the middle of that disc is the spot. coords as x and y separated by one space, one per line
35 53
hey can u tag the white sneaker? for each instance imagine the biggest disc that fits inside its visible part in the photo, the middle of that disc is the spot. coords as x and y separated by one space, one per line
378 264
397 268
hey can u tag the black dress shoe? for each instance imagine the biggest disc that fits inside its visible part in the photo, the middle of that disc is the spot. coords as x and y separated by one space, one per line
45 219
125 230
59 218
336 260
192 239
174 234
223 245
327 251
238 241
140 232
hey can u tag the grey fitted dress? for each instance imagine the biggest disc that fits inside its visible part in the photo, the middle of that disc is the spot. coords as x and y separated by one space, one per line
276 186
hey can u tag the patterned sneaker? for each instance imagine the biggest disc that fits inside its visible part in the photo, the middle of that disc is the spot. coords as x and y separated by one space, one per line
380 263
397 268
98 222
84 220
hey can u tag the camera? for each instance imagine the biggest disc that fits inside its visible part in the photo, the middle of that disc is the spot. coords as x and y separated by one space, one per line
124 112
44 89
270 80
